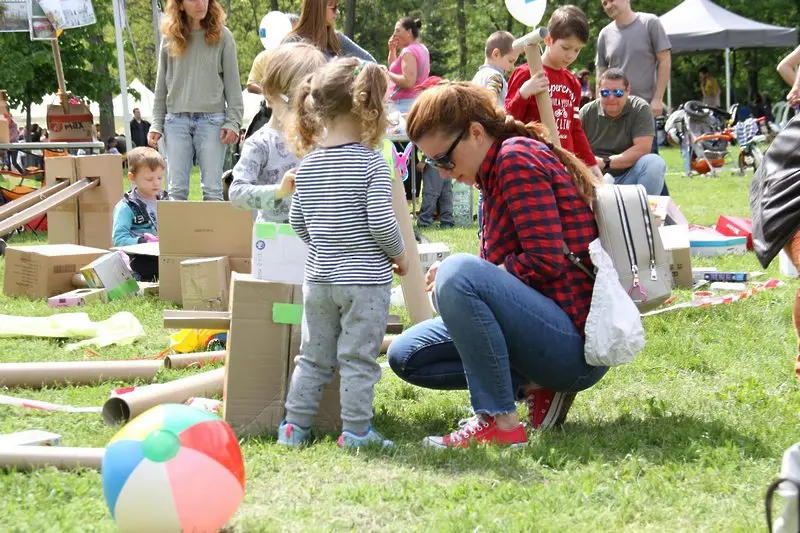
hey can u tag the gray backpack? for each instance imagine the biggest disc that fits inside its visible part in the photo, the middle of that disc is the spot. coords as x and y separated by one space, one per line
629 234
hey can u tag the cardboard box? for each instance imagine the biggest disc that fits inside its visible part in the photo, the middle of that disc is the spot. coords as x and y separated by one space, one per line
706 242
45 270
4 107
191 230
31 437
88 219
70 122
77 298
430 252
205 282
676 243
665 211
5 134
278 254
260 352
113 274
736 227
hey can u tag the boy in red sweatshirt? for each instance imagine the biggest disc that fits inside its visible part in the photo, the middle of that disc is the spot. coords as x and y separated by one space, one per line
568 32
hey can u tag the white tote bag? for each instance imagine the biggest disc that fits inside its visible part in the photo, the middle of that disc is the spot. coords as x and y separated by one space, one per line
614 332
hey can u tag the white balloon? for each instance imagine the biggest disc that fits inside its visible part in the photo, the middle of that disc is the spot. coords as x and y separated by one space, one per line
273 28
528 12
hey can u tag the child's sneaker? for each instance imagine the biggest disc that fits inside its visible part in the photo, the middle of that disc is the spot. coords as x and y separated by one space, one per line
348 439
547 408
292 435
478 429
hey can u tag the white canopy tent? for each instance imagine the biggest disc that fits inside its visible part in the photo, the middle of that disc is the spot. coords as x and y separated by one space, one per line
39 109
144 103
696 25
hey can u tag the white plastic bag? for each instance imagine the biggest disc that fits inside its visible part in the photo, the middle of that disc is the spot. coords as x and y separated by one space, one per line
614 332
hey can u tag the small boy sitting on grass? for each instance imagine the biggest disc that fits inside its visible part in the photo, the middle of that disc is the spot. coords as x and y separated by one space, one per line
135 219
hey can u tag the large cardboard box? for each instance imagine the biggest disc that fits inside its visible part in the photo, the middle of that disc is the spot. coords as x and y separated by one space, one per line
260 352
676 243
205 282
4 132
70 122
88 219
191 230
45 270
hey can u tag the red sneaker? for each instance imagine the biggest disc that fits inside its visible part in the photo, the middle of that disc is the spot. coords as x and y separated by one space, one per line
548 408
479 428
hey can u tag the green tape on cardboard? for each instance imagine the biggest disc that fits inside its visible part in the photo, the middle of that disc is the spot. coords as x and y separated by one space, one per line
128 288
286 229
266 230
287 313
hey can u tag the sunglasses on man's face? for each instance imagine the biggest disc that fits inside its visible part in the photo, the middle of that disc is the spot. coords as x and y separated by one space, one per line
618 93
445 160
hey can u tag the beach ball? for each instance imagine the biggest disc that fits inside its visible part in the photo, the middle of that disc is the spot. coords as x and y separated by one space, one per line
273 28
173 468
528 12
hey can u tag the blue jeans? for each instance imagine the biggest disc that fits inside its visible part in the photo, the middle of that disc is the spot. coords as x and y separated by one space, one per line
494 335
648 171
187 135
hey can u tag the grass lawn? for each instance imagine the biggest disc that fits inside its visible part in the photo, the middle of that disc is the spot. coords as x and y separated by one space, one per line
686 438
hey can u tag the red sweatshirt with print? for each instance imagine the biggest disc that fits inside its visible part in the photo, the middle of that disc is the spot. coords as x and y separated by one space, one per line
565 95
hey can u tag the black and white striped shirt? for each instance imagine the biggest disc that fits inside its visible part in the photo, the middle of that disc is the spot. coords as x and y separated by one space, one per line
342 208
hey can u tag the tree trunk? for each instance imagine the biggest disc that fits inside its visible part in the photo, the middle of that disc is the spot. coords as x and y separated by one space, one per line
27 106
461 21
350 21
752 76
510 24
106 103
273 5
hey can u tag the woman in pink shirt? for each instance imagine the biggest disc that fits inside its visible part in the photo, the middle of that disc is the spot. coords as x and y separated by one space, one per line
408 69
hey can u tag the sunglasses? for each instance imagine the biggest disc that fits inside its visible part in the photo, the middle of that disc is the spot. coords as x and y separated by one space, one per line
445 160
618 93
335 7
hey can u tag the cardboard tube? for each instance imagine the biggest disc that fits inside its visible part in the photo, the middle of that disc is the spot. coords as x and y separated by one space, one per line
387 341
24 202
534 58
531 39
186 360
63 458
121 409
38 375
413 283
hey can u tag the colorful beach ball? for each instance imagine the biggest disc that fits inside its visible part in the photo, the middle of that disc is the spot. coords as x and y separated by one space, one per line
173 468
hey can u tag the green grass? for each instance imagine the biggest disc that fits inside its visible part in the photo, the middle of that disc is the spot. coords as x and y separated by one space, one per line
686 438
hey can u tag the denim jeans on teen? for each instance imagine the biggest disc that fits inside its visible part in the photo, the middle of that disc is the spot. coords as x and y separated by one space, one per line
187 135
494 335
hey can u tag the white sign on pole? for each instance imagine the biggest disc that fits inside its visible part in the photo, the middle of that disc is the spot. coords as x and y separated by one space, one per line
65 14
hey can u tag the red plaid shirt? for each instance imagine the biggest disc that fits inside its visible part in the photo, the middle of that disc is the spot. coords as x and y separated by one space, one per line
530 205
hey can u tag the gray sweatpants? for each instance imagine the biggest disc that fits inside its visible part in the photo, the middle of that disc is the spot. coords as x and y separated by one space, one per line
343 325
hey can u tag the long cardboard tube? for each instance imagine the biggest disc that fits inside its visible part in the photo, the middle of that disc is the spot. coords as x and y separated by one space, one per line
24 202
38 375
121 409
530 44
185 319
413 283
76 189
187 360
63 458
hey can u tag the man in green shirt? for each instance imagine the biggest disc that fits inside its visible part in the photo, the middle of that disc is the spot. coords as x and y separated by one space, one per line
620 131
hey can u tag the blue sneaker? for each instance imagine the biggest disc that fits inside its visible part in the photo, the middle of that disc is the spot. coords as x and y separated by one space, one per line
292 435
349 439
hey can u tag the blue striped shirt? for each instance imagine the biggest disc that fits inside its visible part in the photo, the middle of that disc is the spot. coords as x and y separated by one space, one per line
342 208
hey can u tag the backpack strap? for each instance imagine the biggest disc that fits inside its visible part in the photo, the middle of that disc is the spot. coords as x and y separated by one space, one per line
575 260
771 492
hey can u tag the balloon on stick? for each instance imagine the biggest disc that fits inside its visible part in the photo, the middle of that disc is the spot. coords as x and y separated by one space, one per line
273 28
530 13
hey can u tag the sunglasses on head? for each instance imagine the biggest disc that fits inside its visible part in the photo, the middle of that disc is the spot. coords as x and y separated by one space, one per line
618 93
445 160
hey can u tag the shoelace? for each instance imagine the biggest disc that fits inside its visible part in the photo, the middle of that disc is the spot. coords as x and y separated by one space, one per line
468 428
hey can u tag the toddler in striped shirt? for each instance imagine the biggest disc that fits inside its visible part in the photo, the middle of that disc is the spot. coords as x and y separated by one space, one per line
342 208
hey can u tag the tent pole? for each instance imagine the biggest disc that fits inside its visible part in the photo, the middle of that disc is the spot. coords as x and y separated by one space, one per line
669 94
123 81
728 78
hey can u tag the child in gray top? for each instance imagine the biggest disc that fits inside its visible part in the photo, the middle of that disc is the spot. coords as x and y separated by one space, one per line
260 179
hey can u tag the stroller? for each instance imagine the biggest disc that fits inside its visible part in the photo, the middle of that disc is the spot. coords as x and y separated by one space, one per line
700 132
